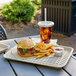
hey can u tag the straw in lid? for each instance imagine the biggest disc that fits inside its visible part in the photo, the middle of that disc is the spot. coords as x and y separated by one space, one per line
46 23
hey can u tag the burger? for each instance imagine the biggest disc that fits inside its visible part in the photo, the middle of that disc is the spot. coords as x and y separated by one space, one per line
25 47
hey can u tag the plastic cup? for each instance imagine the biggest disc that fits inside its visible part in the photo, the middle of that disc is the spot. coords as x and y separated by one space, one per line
45 30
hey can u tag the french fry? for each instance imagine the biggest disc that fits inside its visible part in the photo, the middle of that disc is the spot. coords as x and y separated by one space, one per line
51 51
40 56
44 51
36 54
37 49
47 54
40 46
50 46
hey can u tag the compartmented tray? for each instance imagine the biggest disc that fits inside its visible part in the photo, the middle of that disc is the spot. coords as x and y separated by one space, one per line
3 47
56 62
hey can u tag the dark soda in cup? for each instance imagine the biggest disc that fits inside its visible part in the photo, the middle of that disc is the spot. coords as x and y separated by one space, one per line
45 34
45 30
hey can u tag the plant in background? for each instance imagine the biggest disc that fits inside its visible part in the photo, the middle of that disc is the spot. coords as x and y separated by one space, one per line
38 2
19 10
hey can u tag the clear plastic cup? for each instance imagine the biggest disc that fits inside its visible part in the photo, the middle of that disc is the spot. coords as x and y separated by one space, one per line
45 30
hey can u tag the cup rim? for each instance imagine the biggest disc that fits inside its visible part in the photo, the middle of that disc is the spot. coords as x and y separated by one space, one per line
46 23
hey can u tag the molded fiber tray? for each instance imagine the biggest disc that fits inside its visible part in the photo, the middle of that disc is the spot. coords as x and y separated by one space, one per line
56 62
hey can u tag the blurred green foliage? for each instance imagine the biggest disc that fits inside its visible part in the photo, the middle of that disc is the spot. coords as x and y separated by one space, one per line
19 10
38 2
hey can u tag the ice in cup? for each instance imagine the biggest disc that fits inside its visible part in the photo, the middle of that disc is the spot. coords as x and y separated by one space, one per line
45 30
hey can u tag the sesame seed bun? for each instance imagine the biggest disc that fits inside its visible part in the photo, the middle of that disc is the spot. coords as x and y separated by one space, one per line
26 43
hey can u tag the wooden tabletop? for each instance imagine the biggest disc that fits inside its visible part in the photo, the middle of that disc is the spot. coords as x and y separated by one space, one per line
14 68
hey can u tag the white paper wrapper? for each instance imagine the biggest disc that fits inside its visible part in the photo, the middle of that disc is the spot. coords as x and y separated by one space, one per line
52 41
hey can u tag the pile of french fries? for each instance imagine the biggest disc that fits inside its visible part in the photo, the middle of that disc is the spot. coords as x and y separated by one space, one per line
43 49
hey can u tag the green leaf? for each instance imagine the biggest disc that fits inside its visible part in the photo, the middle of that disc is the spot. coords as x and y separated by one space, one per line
24 50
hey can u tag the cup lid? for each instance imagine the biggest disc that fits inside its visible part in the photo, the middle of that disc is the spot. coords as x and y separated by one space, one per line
46 23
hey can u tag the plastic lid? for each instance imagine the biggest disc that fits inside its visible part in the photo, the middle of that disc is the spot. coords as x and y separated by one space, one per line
46 23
